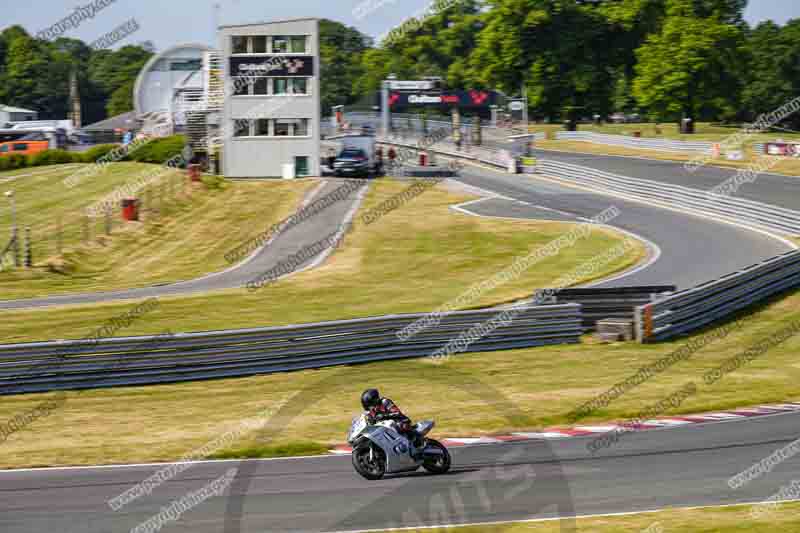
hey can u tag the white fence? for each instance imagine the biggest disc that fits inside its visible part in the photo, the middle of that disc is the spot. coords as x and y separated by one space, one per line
732 209
664 145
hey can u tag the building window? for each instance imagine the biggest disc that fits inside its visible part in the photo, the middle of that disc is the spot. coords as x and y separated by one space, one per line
239 44
301 166
280 45
280 86
301 127
298 44
260 86
282 128
262 127
241 86
241 128
299 86
260 45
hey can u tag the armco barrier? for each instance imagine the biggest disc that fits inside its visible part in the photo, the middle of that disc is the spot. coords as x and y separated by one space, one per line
692 309
603 303
664 145
70 365
731 208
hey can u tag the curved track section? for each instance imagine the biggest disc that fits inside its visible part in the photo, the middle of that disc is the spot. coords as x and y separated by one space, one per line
676 467
774 189
713 249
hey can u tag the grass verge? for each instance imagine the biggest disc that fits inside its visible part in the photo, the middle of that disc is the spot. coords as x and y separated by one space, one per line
184 233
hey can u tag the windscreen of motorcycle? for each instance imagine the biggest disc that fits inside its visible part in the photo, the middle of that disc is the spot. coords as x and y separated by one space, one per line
358 425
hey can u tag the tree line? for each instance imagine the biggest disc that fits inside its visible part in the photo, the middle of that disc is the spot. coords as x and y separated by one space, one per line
36 73
663 59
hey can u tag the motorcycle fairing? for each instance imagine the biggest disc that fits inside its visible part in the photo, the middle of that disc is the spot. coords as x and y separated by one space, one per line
395 446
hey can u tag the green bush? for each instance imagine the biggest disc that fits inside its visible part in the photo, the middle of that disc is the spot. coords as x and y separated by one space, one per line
16 161
159 150
96 152
50 157
4 165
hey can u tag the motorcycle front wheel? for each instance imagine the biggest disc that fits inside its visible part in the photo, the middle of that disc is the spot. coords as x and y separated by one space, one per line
369 461
439 463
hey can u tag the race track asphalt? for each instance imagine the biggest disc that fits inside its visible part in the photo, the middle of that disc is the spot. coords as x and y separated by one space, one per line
773 189
683 466
693 249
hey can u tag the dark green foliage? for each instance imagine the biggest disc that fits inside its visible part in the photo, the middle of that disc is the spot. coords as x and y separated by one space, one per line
36 74
96 152
662 58
159 150
15 161
50 157
341 48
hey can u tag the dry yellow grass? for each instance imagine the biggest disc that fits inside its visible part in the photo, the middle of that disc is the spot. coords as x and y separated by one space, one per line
186 239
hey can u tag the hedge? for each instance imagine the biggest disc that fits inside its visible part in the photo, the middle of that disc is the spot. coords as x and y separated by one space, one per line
159 150
96 152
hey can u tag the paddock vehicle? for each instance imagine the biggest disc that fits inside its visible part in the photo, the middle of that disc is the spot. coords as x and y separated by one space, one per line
29 142
379 449
358 157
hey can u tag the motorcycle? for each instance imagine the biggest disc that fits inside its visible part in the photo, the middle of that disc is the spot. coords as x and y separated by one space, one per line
379 449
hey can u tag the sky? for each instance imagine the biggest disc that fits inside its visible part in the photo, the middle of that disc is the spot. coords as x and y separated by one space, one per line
169 22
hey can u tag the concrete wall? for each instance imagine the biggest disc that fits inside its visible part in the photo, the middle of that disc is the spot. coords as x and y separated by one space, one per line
264 156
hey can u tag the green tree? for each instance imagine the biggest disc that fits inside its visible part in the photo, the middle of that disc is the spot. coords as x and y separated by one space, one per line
691 67
341 50
121 100
773 76
27 75
437 42
564 52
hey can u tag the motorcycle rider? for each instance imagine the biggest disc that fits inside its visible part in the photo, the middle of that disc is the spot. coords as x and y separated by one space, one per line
379 409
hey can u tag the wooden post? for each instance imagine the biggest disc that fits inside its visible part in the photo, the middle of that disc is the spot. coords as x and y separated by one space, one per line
28 253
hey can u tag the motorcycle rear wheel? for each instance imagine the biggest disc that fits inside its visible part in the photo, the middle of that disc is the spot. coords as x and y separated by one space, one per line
437 464
371 469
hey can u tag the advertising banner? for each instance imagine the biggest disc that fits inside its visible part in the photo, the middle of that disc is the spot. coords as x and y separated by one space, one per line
472 99
282 66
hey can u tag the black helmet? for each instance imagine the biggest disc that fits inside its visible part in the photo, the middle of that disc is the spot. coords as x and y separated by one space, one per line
370 399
